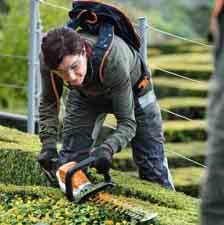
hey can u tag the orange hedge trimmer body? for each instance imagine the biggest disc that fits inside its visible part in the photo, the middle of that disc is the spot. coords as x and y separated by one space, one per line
78 188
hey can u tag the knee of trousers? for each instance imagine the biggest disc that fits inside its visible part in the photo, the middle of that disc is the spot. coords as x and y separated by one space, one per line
157 172
151 163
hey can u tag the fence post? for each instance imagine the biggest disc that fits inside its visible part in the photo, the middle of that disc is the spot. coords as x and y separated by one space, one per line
38 76
142 28
32 65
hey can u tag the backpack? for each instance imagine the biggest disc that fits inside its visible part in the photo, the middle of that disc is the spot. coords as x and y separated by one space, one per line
91 15
105 20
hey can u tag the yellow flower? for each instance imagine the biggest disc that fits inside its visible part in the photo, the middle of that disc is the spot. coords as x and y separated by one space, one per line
19 217
109 222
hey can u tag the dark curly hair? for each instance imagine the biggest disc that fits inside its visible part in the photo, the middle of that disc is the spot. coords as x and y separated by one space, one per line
58 43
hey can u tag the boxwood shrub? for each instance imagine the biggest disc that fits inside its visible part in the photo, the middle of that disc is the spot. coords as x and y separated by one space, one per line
174 131
172 207
198 72
176 87
191 107
192 150
187 58
176 46
41 205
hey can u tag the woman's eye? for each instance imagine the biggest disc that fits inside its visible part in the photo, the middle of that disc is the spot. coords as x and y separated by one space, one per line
73 67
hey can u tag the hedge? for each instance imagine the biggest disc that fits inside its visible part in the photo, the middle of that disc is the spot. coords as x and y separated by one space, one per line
173 208
24 171
195 48
190 59
192 150
175 46
29 205
185 131
198 72
170 87
188 180
152 52
191 107
19 167
174 131
193 112
34 205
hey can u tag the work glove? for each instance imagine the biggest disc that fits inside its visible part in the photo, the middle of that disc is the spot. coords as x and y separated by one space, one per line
48 163
103 156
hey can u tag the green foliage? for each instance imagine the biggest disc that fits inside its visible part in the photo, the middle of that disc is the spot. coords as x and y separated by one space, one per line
186 177
171 103
4 8
174 131
192 150
185 131
149 196
27 208
197 71
47 205
176 87
179 58
188 180
191 107
176 46
15 41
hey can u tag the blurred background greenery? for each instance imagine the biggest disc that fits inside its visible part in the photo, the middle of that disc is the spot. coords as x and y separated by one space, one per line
189 19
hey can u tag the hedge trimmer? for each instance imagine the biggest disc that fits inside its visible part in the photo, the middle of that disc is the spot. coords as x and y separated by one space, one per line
78 188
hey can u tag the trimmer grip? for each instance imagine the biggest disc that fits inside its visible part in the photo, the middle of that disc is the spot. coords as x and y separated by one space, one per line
71 172
107 177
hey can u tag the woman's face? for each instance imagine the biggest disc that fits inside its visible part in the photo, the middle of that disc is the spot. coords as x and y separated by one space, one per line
73 69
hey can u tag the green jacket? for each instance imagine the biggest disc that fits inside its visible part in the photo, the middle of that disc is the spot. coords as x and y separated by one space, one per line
121 72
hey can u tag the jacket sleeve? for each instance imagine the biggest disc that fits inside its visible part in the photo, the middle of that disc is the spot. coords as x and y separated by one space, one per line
52 87
117 77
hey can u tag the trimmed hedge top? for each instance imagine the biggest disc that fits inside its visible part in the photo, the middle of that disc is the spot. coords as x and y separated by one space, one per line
183 102
189 58
170 81
20 167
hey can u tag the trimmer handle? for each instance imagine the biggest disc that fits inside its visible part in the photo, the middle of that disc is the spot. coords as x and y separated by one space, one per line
107 177
68 178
